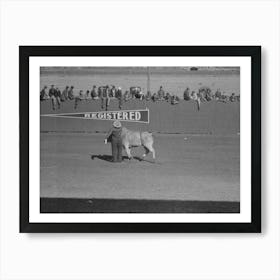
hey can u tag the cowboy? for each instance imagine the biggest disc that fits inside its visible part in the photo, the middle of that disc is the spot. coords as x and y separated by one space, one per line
114 136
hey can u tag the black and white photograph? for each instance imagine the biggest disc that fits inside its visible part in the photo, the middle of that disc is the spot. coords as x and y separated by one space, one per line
163 126
142 135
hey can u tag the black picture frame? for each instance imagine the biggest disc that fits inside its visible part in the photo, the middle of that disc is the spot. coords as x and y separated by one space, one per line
25 52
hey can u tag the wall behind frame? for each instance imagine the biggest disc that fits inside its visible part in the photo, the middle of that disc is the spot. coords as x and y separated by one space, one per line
184 256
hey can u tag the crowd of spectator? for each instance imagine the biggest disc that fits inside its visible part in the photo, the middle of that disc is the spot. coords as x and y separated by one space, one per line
205 94
106 93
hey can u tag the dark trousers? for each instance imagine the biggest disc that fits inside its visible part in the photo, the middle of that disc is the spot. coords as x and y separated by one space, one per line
116 150
120 102
105 100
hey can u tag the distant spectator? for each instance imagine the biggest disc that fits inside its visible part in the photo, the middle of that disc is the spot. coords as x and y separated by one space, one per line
232 97
71 93
187 95
93 93
223 98
79 98
77 101
119 97
161 94
58 97
218 94
204 93
201 96
174 100
51 91
139 95
52 95
168 97
112 91
148 96
126 96
105 96
194 95
81 94
88 96
155 97
196 98
208 96
43 94
64 95
136 92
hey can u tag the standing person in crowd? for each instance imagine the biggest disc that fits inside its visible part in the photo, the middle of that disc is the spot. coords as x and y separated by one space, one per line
114 136
161 94
64 95
93 93
78 99
119 97
196 98
52 95
105 96
58 97
71 93
44 94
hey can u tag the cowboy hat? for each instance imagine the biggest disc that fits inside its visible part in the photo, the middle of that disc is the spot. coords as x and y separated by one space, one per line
117 124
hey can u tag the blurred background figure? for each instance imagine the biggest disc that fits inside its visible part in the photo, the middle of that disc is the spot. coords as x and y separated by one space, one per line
43 94
64 96
187 95
148 96
94 93
161 94
71 93
88 96
52 93
119 97
232 98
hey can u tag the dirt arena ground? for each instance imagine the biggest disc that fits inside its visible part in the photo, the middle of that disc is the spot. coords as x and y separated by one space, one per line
191 174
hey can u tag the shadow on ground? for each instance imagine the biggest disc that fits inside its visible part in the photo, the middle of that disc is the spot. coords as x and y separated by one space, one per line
109 158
